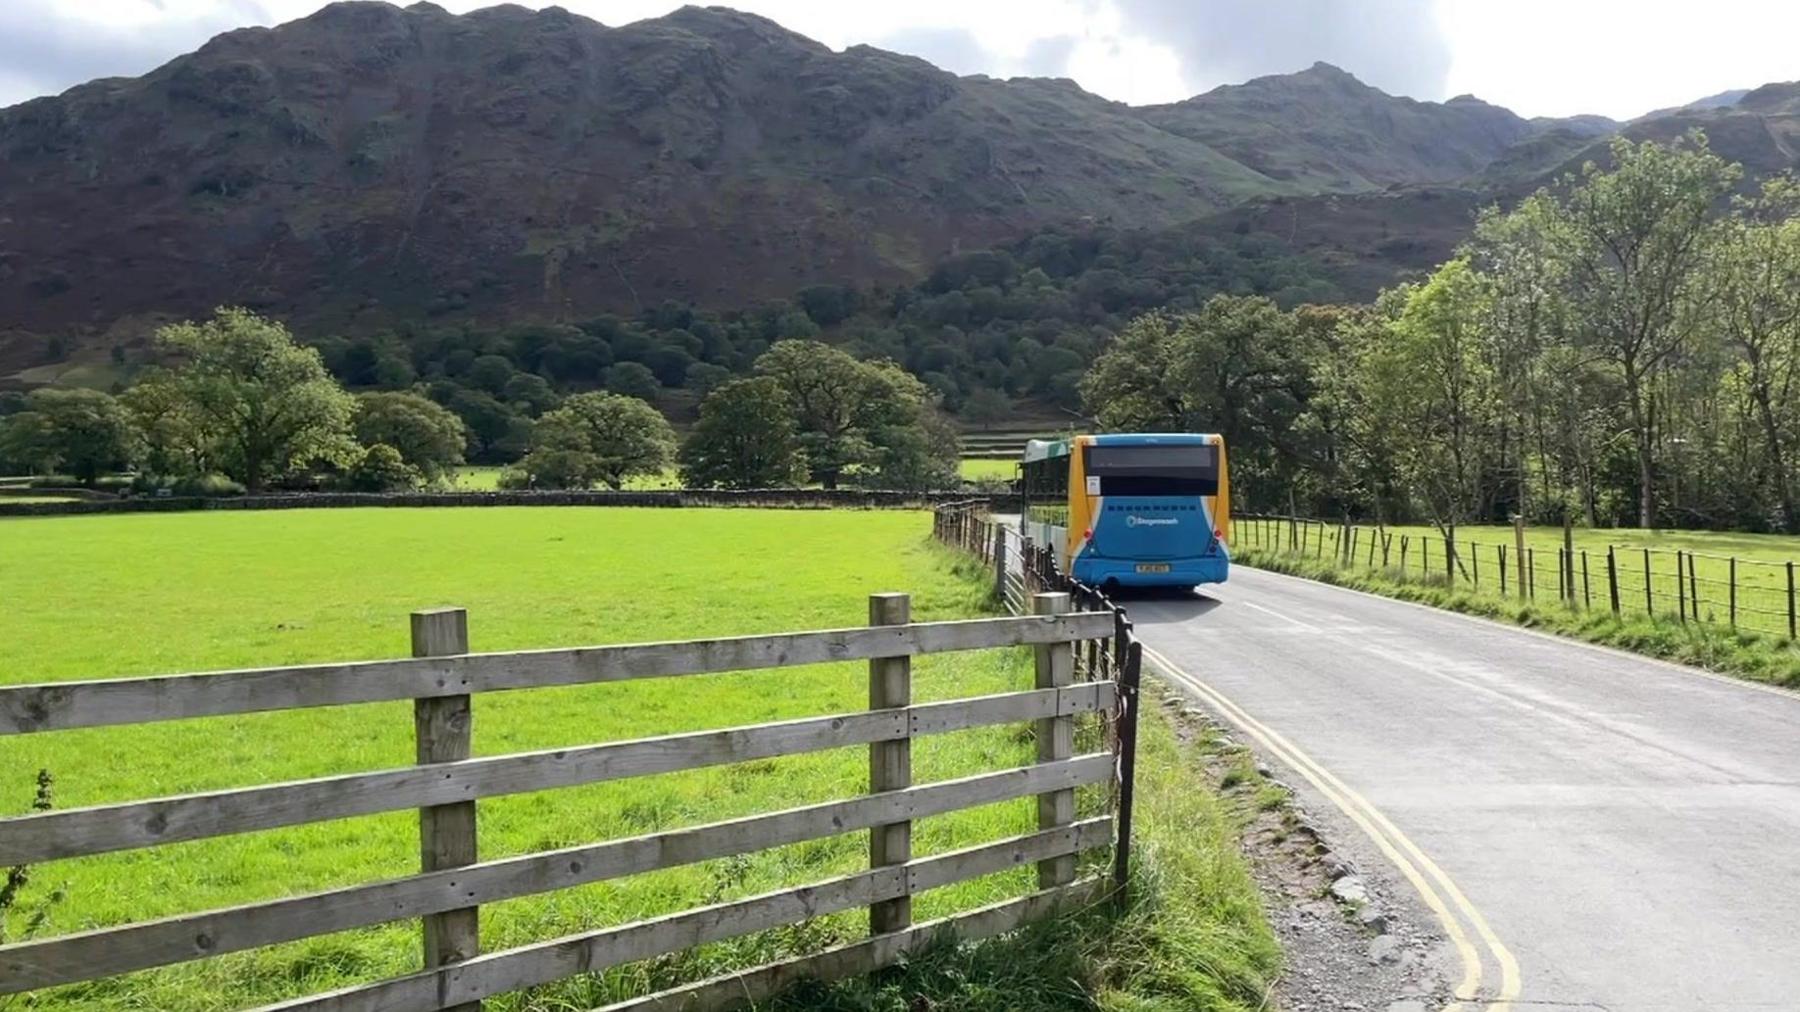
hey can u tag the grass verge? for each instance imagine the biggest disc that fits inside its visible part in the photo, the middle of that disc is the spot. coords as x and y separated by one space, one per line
1750 655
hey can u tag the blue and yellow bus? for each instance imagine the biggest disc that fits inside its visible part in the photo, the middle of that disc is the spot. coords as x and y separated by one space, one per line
1131 509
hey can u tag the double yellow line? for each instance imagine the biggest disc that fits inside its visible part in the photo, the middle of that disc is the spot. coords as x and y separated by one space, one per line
1434 886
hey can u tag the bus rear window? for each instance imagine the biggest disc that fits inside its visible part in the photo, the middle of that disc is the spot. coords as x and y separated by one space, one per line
1179 470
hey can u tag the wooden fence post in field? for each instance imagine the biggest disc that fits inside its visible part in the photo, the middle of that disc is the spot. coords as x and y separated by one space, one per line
1519 551
1500 552
1319 553
1587 592
1404 544
1693 588
1568 575
1612 578
1425 556
1530 575
890 762
1649 600
1734 590
1563 590
1680 586
1372 536
1000 561
1055 741
444 729
1793 625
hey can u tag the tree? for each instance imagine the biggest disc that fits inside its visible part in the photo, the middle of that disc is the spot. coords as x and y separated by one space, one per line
824 388
1234 367
85 432
172 436
744 439
1632 240
267 404
1758 289
1430 387
599 437
633 379
428 437
382 469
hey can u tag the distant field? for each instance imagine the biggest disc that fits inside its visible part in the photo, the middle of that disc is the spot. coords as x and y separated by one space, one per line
487 479
973 469
1761 565
4 499
164 593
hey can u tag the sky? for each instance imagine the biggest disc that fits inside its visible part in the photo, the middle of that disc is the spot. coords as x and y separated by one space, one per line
1619 58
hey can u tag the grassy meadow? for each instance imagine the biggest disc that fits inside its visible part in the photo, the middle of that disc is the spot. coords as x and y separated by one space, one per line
139 594
977 469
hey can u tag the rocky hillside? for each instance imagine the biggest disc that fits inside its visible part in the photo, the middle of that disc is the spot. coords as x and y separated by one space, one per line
372 165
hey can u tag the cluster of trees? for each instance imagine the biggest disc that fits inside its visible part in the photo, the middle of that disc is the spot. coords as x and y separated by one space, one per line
1621 348
982 332
240 406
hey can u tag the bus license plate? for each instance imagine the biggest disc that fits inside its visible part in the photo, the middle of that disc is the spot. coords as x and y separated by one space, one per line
1153 567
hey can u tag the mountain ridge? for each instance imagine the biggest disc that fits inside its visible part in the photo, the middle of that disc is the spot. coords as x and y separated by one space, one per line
370 164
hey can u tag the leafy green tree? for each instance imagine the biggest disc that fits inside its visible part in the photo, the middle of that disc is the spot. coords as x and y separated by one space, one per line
1430 387
1758 310
1633 240
599 437
28 441
633 379
173 439
267 404
381 468
825 389
428 437
744 439
85 432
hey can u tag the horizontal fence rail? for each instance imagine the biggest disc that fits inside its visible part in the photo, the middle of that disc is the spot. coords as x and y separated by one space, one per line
1733 591
57 706
445 785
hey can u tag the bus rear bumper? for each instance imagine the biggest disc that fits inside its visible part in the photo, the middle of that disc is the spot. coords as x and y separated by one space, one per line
1127 573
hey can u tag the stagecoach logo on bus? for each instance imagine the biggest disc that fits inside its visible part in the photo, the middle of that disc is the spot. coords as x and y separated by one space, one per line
1136 521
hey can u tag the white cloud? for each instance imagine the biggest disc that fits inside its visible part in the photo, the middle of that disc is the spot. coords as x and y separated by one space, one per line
1619 58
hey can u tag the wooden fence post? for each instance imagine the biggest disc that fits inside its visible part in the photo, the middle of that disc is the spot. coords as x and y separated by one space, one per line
1568 560
1649 599
1693 588
1000 562
1793 625
1530 576
1425 556
890 762
1519 552
1680 587
1734 591
1055 740
1612 578
1587 592
443 727
1404 542
1500 552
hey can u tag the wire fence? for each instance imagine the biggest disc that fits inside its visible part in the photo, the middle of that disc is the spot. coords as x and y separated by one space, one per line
1756 595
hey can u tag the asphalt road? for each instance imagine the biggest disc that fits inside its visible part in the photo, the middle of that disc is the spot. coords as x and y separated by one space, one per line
1592 830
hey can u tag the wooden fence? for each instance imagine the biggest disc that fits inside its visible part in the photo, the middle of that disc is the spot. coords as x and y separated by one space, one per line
1742 593
446 784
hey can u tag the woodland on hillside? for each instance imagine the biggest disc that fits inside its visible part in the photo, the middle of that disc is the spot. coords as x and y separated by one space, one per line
1621 349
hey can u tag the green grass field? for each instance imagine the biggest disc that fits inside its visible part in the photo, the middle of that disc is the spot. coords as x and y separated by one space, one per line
1762 588
974 469
479 478
109 596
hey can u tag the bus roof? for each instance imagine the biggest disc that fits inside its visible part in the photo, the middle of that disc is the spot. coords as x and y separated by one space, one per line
1042 449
